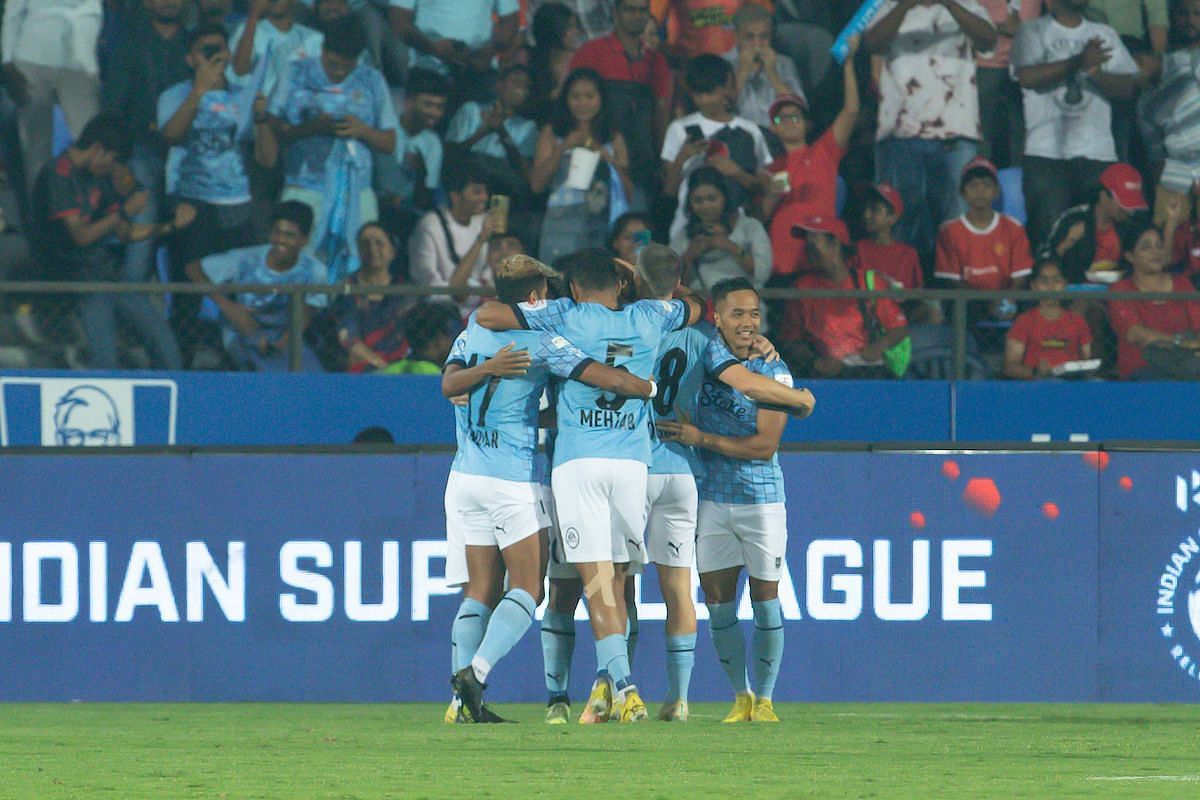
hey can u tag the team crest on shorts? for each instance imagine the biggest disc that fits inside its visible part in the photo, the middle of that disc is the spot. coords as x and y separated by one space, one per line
572 538
1179 601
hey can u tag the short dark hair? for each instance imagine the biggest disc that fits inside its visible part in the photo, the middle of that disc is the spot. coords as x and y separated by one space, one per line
345 37
459 173
207 29
295 212
592 269
426 81
722 289
1132 232
376 434
516 290
707 73
975 173
110 132
622 223
1042 263
426 320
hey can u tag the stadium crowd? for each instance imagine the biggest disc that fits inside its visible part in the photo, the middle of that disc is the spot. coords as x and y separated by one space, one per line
988 145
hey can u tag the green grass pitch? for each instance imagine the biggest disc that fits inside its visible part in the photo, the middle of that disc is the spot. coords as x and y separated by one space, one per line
403 750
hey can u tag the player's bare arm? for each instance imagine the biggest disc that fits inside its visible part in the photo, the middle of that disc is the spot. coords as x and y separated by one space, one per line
618 381
764 389
758 447
507 363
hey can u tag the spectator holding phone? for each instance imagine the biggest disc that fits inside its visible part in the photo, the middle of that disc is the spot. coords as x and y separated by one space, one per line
720 241
629 234
272 32
408 177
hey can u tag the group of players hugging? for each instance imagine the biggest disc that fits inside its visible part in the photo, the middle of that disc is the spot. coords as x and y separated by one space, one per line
661 433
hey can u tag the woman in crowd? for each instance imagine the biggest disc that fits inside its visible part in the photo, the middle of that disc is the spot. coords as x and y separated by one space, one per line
581 206
556 37
369 326
629 234
1158 339
720 240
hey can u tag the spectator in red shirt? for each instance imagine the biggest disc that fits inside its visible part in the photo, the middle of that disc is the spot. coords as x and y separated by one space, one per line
699 27
639 84
811 170
1141 325
982 249
1046 335
836 327
899 262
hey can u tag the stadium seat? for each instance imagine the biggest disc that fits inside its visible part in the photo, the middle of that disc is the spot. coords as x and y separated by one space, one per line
933 355
1012 195
162 264
62 133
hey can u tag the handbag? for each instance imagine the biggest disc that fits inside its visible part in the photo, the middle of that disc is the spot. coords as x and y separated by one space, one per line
896 357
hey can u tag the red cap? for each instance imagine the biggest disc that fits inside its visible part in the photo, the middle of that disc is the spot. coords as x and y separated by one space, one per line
1125 183
890 195
831 225
979 163
787 100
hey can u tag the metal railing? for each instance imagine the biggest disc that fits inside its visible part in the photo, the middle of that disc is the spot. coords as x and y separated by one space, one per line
958 300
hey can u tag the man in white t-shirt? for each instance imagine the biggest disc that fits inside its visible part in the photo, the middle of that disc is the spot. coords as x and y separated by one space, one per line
1069 69
929 107
448 247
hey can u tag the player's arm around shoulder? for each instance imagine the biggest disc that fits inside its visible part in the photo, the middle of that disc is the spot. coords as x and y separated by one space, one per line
769 390
497 316
459 379
614 380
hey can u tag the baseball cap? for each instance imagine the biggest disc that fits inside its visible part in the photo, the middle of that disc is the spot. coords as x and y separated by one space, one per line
977 165
820 224
787 100
1125 183
888 193
520 266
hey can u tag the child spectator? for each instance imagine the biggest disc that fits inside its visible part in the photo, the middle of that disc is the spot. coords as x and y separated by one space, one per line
1141 325
207 120
1046 335
272 32
369 326
811 170
430 329
578 218
1084 238
836 327
256 332
639 84
720 241
929 108
501 141
982 249
333 113
761 73
712 135
448 247
556 37
879 251
408 178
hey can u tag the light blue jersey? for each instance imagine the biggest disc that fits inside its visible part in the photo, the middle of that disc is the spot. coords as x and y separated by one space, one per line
725 411
523 132
458 355
502 417
211 163
304 92
592 423
679 372
279 48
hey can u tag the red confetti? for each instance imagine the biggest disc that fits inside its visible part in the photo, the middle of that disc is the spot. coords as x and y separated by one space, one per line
1097 459
916 519
982 495
950 470
1050 511
1126 482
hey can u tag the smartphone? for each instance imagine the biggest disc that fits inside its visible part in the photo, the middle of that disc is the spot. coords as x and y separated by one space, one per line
694 134
640 240
498 209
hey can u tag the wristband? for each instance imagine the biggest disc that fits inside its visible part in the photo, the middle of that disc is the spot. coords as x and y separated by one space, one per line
653 390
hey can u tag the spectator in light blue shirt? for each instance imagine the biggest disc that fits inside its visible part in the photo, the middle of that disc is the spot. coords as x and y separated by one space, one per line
333 114
501 140
271 32
408 177
256 325
456 35
208 122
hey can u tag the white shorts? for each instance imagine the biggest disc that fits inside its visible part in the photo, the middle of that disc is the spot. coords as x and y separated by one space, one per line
671 520
734 535
456 537
601 504
493 512
558 568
